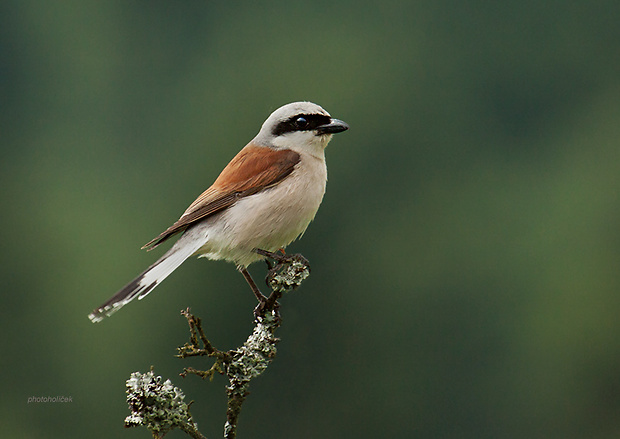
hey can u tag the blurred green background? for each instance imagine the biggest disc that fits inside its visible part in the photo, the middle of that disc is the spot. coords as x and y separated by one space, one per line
465 259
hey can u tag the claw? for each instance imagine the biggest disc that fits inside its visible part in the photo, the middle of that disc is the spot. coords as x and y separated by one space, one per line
259 310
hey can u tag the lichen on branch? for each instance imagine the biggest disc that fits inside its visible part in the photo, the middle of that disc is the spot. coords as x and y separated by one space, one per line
160 407
157 405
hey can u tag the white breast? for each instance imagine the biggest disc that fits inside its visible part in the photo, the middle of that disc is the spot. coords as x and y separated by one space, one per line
269 220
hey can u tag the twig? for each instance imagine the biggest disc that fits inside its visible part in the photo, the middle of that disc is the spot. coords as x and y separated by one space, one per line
160 407
248 362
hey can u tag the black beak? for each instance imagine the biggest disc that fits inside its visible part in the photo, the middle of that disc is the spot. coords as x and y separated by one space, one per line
334 126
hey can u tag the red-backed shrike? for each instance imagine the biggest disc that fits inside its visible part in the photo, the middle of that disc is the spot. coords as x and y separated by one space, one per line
263 200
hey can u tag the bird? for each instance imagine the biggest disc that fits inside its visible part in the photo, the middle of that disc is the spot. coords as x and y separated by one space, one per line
263 200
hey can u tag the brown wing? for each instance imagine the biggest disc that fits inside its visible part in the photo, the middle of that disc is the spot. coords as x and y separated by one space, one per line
252 170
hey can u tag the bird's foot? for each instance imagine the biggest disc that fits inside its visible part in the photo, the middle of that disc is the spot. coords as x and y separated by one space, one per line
268 307
281 258
288 272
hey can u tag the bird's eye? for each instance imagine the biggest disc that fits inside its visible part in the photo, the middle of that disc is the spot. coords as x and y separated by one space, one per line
301 122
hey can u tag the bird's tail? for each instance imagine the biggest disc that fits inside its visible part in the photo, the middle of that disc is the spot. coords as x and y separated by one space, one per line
149 279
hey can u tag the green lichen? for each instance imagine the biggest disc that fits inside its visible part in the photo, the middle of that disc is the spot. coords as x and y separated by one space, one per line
157 405
289 275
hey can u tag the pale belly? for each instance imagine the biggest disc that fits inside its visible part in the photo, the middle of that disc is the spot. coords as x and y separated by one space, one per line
269 220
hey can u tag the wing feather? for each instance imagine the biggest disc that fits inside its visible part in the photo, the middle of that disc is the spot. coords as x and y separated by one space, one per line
254 169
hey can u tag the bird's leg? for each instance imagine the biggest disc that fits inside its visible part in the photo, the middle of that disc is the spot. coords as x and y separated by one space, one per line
278 257
262 300
269 264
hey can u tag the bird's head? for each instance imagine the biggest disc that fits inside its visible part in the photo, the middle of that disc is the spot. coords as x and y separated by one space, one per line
300 126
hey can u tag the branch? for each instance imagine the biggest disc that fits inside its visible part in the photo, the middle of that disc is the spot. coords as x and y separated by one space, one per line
160 407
